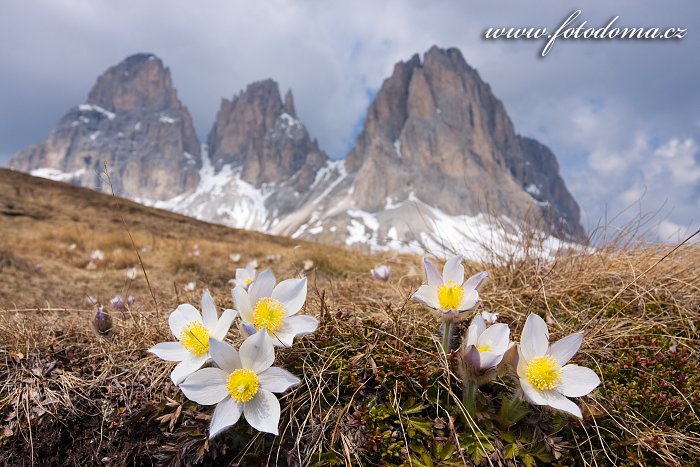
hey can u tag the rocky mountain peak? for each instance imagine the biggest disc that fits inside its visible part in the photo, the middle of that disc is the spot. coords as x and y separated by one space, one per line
133 121
446 140
260 134
140 82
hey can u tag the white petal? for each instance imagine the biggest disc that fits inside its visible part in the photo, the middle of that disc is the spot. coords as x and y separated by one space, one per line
432 275
497 337
181 317
225 356
209 316
262 286
170 351
293 326
263 412
489 359
241 276
226 413
186 367
257 352
565 348
560 402
206 386
521 367
551 398
427 295
480 326
224 324
292 294
475 281
534 340
276 379
472 335
453 270
577 381
241 301
469 300
246 330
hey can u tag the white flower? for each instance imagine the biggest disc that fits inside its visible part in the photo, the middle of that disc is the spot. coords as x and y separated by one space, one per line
243 384
234 257
448 292
189 287
193 330
132 273
97 255
545 377
270 306
381 272
489 344
244 276
489 317
253 263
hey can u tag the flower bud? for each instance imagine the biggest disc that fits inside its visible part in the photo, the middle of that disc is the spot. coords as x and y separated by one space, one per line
381 272
102 322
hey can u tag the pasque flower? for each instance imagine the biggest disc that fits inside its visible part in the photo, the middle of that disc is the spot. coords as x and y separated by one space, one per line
381 272
244 276
545 377
242 385
193 331
448 292
486 346
273 307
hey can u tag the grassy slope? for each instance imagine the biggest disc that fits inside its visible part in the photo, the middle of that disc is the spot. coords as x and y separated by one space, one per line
376 387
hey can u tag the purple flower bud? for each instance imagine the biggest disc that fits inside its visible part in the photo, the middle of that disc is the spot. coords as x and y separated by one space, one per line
130 300
117 302
102 322
381 272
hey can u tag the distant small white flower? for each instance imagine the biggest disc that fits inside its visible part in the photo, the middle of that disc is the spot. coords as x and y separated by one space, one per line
308 265
234 257
270 306
253 263
72 246
448 292
381 272
97 255
242 385
489 317
130 300
244 276
91 300
193 331
132 273
189 287
544 375
486 346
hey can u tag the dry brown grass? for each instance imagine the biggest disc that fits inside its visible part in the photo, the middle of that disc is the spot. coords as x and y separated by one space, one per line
69 395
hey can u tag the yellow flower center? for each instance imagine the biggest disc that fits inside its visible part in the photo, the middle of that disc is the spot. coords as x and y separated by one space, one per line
543 373
450 295
484 348
195 338
243 384
268 313
247 281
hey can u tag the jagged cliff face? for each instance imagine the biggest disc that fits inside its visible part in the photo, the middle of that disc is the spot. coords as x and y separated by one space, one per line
437 160
261 134
437 133
133 121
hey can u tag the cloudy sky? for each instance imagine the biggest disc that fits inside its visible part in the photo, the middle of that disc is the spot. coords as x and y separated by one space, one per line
623 117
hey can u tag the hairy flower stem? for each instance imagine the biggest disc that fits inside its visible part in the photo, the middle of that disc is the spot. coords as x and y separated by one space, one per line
469 396
446 335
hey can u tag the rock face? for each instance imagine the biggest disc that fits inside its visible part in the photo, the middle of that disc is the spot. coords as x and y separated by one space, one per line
134 121
437 133
436 163
261 134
